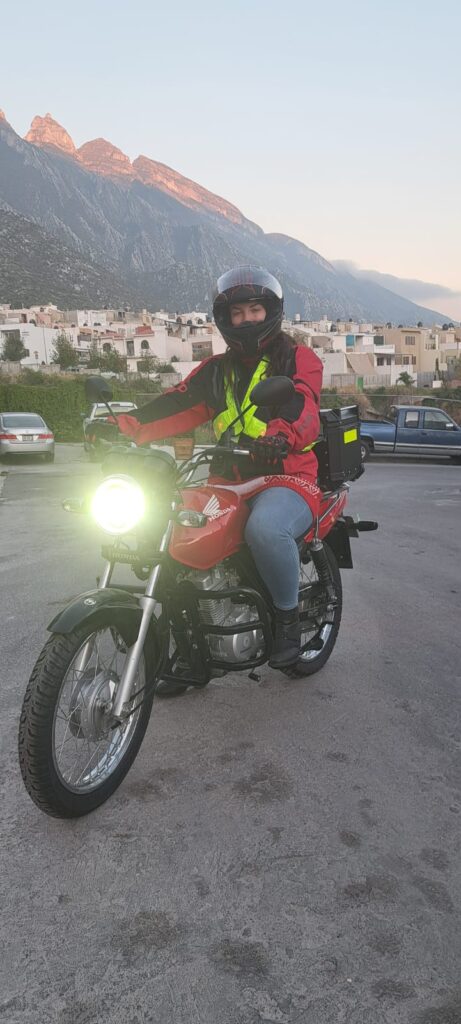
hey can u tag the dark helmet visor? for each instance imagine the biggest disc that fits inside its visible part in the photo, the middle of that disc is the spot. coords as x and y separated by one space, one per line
254 281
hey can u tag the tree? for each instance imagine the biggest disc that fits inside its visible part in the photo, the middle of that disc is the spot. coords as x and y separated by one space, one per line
454 369
405 378
147 365
164 368
112 361
94 362
64 352
420 323
13 348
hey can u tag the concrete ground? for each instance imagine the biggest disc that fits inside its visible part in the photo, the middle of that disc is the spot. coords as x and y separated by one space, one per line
280 851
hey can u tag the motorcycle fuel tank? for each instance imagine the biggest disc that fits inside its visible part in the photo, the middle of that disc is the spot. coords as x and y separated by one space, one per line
203 547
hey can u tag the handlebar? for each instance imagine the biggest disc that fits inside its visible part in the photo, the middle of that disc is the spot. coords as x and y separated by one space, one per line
105 431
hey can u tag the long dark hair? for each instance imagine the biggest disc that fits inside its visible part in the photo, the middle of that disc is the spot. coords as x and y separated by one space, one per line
278 353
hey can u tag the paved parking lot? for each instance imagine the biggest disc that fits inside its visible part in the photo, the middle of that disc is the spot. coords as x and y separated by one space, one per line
280 851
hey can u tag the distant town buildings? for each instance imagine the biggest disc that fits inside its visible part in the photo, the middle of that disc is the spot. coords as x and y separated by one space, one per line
354 355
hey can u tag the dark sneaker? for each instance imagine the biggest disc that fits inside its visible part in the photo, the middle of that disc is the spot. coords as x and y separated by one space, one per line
287 641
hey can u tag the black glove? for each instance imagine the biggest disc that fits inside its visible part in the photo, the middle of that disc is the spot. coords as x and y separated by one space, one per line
268 450
102 429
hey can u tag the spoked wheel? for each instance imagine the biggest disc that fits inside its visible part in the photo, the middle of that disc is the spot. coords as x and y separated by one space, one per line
320 623
72 758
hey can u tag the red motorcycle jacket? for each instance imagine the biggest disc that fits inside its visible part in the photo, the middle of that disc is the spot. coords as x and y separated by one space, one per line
202 396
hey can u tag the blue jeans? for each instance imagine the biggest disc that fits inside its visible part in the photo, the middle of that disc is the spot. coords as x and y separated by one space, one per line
278 517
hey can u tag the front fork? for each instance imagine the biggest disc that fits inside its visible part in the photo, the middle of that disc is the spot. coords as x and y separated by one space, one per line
87 649
148 603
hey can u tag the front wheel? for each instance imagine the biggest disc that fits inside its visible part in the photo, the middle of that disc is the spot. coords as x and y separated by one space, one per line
71 757
319 622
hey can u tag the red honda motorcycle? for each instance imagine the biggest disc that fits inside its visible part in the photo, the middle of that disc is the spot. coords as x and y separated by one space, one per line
199 610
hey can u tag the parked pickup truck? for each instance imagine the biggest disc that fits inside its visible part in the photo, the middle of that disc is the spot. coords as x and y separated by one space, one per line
412 430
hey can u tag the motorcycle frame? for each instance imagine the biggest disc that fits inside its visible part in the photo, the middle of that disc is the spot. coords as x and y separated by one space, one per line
155 595
175 600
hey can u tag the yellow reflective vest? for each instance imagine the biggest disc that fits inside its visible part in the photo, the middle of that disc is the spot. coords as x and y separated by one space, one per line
247 420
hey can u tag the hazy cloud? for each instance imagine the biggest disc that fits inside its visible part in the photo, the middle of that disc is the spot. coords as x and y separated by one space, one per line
408 288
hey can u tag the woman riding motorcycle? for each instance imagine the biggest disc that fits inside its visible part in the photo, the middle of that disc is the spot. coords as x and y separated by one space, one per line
248 311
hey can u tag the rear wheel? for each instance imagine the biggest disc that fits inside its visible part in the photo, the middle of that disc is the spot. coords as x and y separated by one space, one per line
319 622
71 757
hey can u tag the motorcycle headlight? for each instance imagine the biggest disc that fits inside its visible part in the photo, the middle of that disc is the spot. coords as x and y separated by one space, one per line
118 505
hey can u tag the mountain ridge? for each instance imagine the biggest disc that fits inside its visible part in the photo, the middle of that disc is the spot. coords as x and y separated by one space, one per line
166 237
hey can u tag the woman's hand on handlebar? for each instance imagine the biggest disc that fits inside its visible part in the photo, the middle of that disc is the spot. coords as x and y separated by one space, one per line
128 425
268 450
105 430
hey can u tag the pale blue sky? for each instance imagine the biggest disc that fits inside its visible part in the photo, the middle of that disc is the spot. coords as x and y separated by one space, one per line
337 123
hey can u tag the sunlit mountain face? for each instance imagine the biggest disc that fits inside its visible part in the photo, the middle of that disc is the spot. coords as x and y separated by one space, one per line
99 225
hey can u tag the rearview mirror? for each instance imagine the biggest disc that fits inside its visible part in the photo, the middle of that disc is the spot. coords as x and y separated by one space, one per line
273 391
97 389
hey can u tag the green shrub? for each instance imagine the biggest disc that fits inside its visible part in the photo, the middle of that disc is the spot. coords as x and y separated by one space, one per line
59 400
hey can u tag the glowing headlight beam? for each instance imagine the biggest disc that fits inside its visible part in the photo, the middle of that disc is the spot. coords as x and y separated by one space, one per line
118 504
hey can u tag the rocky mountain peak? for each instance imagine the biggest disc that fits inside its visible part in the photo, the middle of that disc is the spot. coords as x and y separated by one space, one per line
150 172
102 157
45 131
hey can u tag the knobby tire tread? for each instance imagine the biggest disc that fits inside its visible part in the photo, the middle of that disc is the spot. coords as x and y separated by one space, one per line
34 740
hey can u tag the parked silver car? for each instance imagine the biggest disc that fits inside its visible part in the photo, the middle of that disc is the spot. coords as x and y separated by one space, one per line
25 433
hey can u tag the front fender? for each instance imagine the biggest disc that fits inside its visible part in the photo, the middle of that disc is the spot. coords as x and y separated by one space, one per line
89 605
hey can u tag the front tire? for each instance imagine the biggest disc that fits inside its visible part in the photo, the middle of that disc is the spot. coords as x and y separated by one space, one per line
71 759
327 622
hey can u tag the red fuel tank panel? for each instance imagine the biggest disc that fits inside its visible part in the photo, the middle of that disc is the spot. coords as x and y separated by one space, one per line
203 547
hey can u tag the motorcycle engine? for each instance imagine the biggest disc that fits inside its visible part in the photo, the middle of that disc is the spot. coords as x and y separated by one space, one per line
224 612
